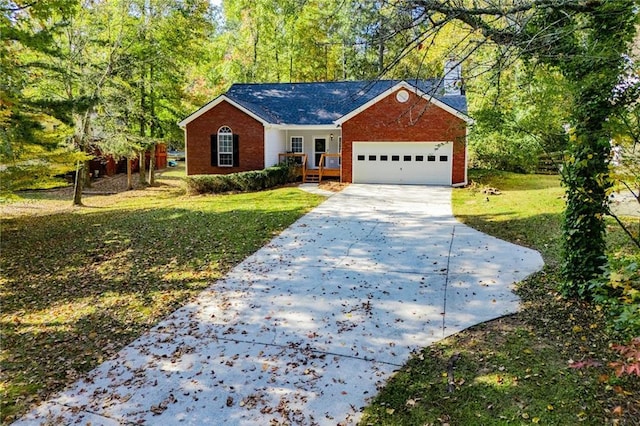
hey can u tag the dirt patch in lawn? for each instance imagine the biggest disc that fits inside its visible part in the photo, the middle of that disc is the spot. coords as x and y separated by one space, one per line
103 192
332 185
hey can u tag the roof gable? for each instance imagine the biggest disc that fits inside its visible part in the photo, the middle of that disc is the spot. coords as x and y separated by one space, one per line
448 102
325 103
216 102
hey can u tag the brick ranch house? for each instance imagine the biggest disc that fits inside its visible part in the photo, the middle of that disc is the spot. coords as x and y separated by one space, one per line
385 131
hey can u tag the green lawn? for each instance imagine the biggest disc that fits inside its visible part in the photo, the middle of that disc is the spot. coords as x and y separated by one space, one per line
527 212
516 370
79 284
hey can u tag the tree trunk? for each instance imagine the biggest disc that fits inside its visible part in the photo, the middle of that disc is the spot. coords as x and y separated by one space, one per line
129 175
86 175
142 168
277 66
291 59
78 184
81 130
152 164
381 47
153 127
143 128
586 177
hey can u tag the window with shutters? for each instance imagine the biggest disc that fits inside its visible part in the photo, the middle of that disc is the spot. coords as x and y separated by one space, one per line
225 147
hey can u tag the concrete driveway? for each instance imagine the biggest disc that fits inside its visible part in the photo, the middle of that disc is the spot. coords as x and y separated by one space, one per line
307 329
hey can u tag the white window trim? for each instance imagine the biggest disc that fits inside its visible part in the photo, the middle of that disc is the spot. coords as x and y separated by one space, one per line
291 144
220 152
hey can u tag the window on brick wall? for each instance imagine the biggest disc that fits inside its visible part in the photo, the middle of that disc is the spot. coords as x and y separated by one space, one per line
225 147
225 151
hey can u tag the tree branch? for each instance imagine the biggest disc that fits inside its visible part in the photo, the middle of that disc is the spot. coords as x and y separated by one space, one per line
18 7
634 239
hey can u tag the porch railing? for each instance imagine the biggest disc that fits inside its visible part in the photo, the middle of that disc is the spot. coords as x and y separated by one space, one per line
329 171
311 175
298 159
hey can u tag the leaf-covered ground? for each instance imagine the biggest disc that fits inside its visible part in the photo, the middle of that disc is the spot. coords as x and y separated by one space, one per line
78 284
546 365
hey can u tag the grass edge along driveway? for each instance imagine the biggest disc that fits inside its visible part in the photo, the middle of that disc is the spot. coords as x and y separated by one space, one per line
78 285
517 369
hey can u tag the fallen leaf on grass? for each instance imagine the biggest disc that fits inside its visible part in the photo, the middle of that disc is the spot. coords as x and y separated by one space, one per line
583 364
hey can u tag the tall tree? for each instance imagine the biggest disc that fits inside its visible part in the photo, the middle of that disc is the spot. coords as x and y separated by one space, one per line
520 114
285 40
67 77
164 38
34 144
586 41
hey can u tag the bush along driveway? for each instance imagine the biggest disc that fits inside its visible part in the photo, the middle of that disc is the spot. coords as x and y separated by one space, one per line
307 329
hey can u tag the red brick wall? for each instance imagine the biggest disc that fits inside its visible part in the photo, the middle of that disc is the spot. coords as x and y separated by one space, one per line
415 120
250 140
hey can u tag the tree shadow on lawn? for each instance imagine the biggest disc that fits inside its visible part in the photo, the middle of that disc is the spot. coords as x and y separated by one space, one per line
507 372
78 287
508 181
541 232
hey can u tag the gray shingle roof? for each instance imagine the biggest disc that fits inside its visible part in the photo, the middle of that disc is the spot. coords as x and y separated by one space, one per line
323 103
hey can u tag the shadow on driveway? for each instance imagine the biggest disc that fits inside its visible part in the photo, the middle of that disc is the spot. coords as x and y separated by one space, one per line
308 328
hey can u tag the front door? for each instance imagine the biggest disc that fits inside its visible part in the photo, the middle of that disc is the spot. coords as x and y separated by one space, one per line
320 147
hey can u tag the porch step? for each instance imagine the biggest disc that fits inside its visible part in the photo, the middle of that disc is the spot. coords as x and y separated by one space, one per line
312 179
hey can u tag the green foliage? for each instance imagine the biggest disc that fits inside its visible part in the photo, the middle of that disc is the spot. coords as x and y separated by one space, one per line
243 181
34 146
320 40
112 71
497 151
143 96
519 115
34 152
591 81
586 178
619 291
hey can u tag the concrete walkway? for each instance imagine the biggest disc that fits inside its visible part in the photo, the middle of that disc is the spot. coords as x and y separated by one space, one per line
307 329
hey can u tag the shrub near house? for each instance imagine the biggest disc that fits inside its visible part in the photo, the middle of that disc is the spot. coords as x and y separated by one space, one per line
243 181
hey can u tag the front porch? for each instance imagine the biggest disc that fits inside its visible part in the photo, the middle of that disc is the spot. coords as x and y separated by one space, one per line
328 166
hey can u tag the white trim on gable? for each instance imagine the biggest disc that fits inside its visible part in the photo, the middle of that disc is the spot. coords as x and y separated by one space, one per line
216 102
404 85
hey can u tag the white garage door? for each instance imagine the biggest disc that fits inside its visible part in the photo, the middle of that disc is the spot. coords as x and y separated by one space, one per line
421 163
